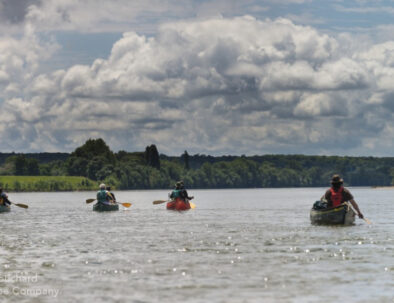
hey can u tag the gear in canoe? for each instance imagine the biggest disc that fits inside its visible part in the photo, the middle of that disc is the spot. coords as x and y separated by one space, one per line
338 215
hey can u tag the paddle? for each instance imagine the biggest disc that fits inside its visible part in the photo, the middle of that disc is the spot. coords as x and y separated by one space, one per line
20 205
160 201
365 219
125 204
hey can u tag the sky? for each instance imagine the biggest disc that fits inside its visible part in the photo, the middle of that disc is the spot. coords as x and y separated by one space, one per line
218 77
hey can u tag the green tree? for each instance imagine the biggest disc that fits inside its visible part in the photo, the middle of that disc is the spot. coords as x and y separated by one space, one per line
152 156
20 165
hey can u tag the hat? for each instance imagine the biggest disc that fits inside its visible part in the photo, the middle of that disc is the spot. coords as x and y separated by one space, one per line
102 186
336 179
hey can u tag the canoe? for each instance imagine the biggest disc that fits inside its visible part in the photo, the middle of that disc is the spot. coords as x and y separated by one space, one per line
178 204
339 215
105 207
4 208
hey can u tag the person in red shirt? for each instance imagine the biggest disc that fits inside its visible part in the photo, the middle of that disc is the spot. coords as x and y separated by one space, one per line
337 194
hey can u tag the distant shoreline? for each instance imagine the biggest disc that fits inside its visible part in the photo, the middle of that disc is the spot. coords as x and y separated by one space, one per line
383 187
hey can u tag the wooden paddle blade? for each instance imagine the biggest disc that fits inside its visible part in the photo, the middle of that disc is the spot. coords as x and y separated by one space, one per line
192 205
89 200
126 204
159 201
21 205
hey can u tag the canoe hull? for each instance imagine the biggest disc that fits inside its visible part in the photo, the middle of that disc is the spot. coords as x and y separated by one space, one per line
4 209
340 215
105 207
178 204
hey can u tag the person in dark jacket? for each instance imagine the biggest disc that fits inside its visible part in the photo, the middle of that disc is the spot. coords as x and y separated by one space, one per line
4 198
338 194
184 195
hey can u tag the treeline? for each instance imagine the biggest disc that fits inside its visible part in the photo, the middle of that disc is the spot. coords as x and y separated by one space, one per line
149 170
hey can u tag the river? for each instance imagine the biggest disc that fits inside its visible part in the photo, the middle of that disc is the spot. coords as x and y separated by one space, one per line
249 245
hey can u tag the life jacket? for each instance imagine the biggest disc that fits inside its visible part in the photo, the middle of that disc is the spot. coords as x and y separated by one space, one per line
176 193
102 196
336 196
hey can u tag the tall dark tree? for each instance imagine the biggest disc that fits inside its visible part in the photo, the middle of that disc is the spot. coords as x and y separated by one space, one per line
185 157
152 156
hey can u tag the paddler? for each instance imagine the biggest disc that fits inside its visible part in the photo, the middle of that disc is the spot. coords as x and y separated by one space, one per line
180 192
111 194
176 192
337 194
4 198
103 195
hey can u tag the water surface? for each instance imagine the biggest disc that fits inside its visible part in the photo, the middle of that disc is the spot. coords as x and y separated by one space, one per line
252 245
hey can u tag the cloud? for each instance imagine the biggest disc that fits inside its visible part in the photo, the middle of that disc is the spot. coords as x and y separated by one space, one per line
217 85
14 12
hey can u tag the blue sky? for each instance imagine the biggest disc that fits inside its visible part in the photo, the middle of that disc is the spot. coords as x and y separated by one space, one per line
214 77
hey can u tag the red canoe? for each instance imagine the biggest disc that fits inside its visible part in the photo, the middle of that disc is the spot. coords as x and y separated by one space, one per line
178 204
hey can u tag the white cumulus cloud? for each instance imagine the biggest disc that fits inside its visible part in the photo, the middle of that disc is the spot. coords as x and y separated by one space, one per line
217 85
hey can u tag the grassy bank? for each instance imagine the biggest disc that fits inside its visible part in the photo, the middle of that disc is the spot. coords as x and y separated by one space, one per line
46 183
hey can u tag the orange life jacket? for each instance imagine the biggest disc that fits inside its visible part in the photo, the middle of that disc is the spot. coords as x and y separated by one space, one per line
336 196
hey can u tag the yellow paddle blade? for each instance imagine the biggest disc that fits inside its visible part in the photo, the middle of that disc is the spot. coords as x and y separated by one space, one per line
192 205
159 201
89 200
126 204
366 220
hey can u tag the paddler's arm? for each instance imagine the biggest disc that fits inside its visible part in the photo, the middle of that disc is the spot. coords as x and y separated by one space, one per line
187 195
354 204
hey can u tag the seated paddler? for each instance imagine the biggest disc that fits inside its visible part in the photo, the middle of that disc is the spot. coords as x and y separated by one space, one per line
180 192
4 198
111 194
338 194
103 195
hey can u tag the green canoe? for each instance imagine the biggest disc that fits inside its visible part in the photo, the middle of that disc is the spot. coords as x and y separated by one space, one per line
105 207
4 208
339 215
